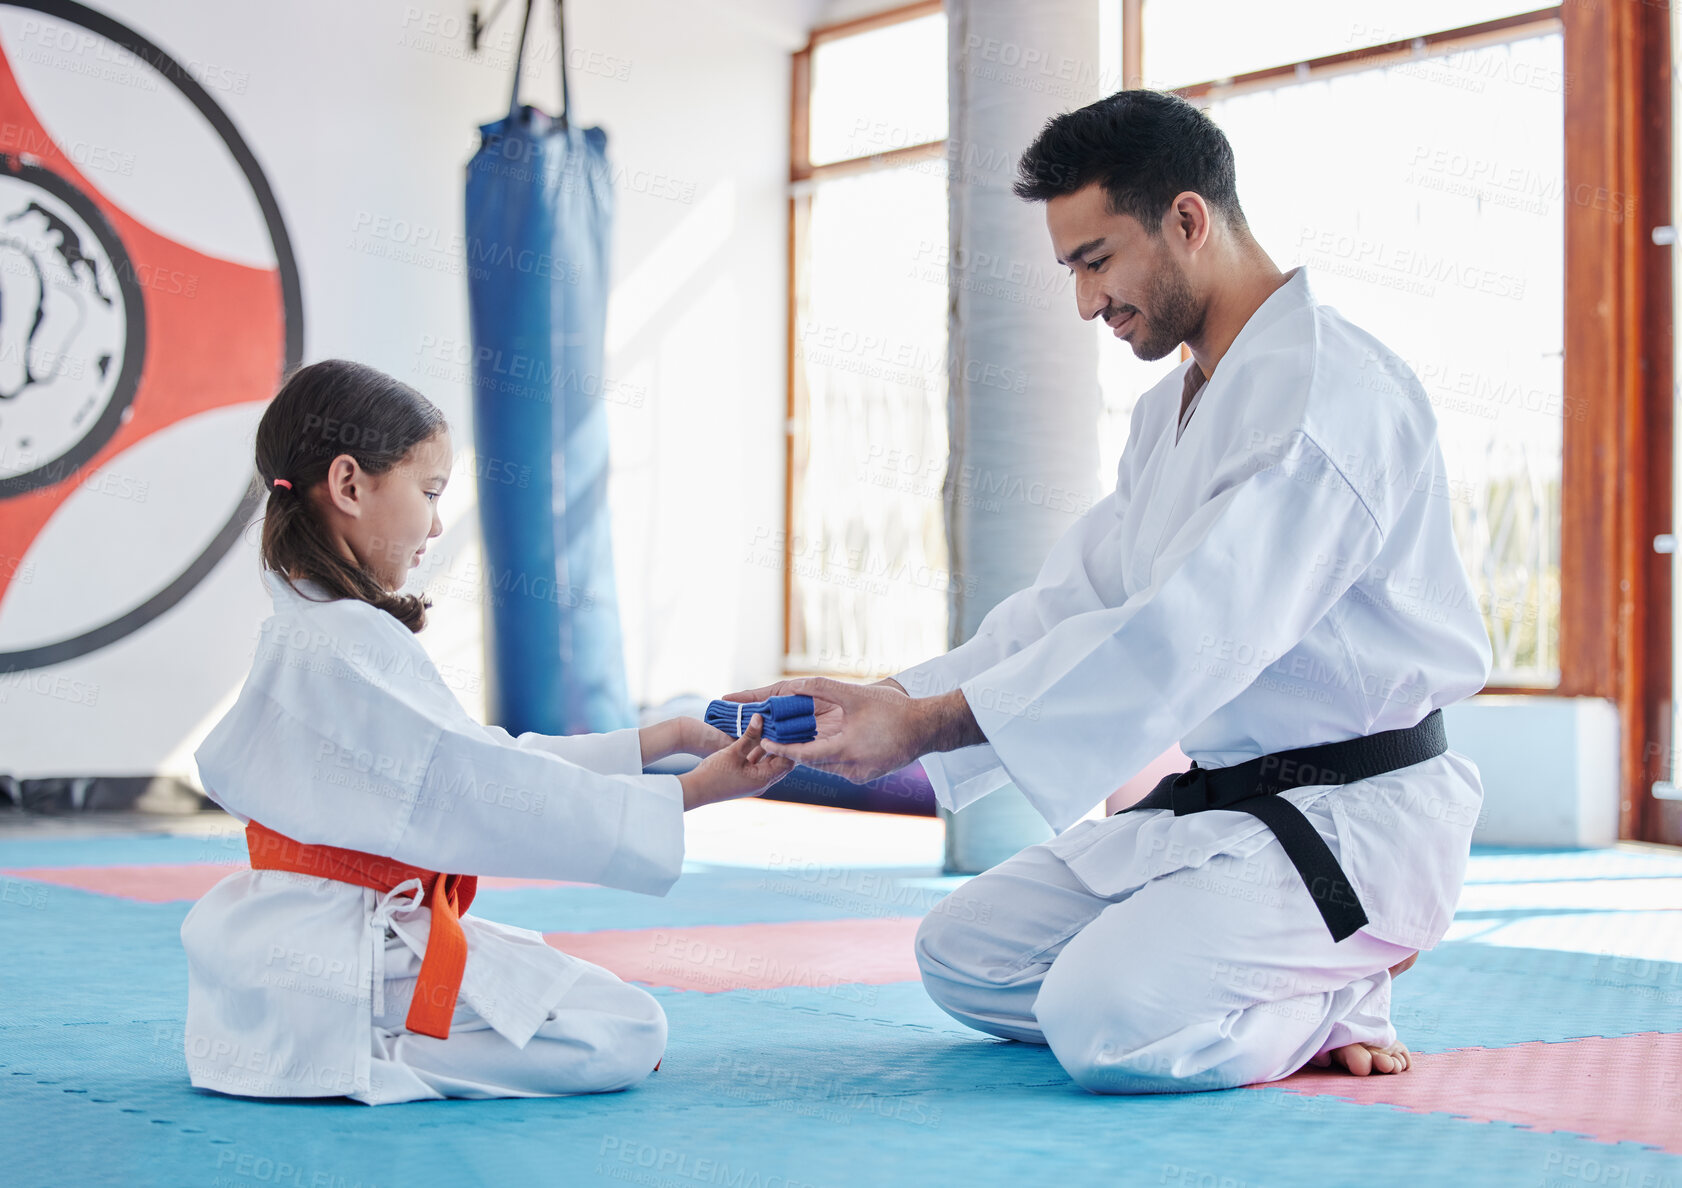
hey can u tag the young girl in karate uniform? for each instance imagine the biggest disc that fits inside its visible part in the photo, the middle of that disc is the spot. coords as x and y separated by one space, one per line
346 962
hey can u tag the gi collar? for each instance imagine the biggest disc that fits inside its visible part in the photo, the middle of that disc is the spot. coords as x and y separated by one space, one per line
279 590
1294 296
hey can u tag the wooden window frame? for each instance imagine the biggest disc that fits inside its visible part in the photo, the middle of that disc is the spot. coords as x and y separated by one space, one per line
1616 493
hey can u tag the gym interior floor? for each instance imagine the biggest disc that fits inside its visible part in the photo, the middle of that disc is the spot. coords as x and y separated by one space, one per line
1547 1030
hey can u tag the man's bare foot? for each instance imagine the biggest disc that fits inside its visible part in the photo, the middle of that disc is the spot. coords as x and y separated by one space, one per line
1362 1059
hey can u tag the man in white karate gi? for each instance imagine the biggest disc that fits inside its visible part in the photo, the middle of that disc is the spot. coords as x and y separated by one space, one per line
1275 570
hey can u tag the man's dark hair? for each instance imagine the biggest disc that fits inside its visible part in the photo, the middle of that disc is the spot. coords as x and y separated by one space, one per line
1143 147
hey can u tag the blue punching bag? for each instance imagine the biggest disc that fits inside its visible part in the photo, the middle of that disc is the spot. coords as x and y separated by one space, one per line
539 218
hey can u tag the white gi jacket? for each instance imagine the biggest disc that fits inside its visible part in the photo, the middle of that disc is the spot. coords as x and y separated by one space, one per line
1283 575
345 734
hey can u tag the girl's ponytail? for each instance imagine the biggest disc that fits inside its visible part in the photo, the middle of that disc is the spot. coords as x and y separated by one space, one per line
323 410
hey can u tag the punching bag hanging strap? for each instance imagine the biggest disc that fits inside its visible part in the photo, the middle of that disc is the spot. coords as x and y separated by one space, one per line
561 25
519 60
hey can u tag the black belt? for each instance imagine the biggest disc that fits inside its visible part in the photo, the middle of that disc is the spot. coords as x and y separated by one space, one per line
1253 788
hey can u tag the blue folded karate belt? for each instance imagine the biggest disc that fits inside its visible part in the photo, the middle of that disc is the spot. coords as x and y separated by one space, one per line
791 719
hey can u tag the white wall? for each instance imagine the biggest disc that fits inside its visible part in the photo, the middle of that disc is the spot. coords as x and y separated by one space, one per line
363 117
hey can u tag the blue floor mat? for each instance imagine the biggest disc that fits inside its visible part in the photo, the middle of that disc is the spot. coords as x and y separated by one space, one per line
789 1087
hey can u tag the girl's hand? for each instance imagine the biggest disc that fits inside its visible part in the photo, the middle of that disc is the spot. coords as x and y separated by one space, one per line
695 737
740 769
679 736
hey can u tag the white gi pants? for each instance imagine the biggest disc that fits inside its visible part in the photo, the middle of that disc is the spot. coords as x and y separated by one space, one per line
603 1035
1187 983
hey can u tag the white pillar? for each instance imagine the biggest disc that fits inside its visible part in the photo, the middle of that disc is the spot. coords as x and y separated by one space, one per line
1022 383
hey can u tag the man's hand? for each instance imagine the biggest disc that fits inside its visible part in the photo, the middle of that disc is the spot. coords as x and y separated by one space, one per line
782 688
867 731
828 714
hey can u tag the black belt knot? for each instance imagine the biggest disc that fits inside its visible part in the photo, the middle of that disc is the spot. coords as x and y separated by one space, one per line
1189 791
1254 788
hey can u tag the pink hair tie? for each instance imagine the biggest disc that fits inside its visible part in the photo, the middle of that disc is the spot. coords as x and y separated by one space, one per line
283 483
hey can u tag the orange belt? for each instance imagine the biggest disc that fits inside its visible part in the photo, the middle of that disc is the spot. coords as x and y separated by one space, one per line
446 948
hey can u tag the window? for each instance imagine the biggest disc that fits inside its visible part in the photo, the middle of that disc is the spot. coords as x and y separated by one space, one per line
1456 174
1424 190
865 550
1487 178
1186 44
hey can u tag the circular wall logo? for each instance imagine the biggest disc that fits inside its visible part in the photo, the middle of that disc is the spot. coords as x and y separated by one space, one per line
72 328
149 306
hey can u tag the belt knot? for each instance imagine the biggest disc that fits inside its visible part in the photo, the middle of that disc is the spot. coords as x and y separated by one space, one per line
1189 792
